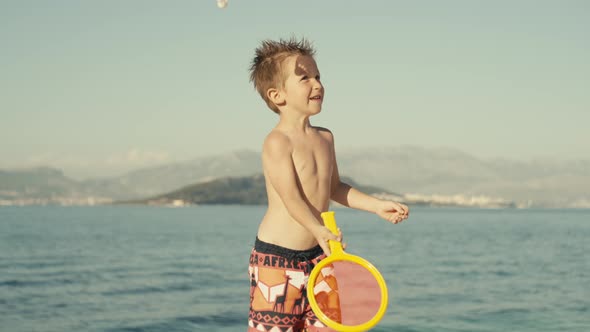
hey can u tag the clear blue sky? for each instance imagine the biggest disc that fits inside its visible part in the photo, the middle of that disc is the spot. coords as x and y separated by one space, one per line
96 87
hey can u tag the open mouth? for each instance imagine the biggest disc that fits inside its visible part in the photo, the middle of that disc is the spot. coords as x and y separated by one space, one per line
316 98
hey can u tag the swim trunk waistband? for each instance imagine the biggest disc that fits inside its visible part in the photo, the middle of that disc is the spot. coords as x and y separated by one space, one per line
273 249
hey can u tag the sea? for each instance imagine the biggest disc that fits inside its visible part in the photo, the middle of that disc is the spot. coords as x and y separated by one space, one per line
148 269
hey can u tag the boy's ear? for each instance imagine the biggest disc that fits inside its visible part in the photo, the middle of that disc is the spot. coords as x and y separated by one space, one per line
276 96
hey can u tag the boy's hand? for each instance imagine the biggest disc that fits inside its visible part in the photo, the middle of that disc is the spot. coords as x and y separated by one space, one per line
323 234
392 211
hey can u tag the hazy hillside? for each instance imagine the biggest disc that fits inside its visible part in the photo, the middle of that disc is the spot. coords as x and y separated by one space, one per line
402 169
43 185
153 181
36 183
229 190
448 171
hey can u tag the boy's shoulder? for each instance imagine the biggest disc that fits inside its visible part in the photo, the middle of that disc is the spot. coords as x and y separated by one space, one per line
325 132
276 142
279 142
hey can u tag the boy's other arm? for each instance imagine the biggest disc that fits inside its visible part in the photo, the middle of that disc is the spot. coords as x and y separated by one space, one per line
348 196
278 165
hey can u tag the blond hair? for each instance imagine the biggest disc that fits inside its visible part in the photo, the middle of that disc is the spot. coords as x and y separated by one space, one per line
266 69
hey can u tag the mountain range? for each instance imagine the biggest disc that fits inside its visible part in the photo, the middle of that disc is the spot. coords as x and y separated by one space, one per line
246 190
401 169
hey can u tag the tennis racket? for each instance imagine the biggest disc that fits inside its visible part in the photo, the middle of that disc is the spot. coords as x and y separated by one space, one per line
346 292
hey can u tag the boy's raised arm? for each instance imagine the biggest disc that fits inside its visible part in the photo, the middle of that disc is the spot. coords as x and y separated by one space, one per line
278 165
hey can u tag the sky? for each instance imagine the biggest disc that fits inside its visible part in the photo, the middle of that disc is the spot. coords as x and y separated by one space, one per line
102 87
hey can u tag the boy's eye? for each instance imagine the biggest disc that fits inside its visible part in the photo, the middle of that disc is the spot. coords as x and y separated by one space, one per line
304 78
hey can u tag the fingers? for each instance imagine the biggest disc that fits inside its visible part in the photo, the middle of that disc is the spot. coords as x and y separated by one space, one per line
403 209
396 217
326 236
402 213
340 237
325 248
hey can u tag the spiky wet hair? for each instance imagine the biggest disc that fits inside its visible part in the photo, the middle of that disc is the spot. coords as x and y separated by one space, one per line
266 69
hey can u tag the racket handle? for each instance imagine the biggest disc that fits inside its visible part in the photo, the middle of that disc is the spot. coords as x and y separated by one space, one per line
330 221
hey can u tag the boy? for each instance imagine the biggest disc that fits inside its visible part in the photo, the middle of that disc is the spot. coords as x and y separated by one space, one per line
301 175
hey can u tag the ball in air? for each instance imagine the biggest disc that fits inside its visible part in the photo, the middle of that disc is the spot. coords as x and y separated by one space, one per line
222 3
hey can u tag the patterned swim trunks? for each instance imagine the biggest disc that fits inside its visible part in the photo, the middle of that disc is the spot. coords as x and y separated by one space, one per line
278 295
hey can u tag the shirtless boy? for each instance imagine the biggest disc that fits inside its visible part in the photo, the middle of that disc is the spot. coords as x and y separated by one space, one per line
301 175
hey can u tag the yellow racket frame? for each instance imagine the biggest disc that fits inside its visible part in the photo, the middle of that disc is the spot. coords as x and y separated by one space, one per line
338 255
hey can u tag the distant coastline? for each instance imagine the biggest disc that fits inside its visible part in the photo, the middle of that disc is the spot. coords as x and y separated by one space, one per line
419 176
250 190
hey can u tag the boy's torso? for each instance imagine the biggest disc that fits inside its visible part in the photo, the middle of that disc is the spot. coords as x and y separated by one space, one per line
313 162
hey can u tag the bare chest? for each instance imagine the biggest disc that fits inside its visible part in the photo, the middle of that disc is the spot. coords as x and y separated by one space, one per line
313 159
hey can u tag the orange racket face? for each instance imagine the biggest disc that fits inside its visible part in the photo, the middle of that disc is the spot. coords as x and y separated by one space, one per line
346 292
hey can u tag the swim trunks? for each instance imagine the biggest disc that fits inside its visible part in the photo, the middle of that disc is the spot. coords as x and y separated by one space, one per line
278 294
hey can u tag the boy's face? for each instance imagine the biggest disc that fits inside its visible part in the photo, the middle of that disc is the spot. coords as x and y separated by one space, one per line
303 91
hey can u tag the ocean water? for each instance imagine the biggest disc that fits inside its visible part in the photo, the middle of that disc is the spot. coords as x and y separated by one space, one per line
132 268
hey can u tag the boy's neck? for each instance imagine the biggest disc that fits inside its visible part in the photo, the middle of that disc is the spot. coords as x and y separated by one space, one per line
293 121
